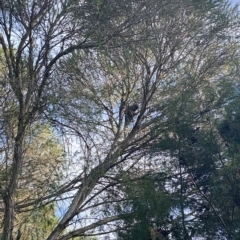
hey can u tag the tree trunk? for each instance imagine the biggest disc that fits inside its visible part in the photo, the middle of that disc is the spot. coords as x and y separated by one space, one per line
9 194
8 216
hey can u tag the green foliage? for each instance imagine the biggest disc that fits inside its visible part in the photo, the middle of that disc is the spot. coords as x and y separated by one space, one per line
37 224
42 173
229 128
79 65
202 147
149 207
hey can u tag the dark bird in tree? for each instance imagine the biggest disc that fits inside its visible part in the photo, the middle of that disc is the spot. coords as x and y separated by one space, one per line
130 112
163 232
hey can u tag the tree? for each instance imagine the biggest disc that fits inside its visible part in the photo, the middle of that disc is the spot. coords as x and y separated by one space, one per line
198 152
42 171
171 82
79 65
149 207
34 37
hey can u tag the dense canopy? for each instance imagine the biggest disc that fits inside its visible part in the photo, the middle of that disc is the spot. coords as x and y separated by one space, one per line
119 119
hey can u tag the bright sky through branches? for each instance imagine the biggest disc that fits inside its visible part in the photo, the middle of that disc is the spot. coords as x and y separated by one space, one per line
234 1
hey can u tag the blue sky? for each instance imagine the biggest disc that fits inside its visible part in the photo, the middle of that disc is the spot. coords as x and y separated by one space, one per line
234 1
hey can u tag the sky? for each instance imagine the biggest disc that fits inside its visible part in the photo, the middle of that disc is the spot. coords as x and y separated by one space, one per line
234 1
